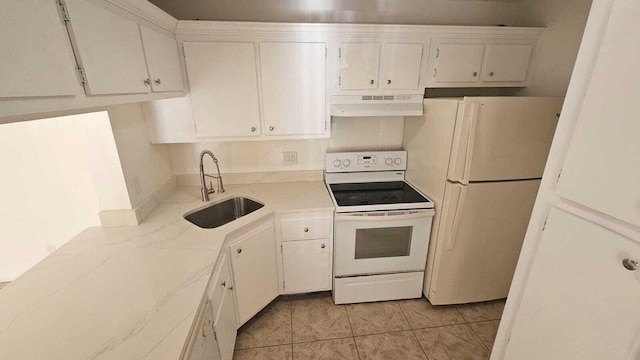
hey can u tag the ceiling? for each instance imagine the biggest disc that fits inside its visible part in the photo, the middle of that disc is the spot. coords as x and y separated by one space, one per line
430 12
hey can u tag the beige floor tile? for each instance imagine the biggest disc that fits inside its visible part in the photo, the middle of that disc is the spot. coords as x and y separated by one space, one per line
336 349
376 318
486 331
421 314
272 326
454 342
390 346
489 310
318 318
282 352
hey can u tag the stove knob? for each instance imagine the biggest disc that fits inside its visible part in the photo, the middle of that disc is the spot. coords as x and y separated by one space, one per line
346 162
398 161
337 163
389 161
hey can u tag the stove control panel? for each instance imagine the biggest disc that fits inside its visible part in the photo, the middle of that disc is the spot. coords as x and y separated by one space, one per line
366 161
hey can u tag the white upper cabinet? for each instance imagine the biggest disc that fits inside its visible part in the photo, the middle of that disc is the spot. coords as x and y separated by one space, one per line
163 61
293 88
580 301
35 56
359 63
602 167
506 62
401 66
109 49
458 62
224 88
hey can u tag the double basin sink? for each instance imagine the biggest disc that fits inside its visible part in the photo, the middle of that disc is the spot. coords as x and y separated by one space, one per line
221 213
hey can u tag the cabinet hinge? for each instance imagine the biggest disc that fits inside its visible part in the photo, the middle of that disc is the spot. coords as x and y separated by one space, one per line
559 174
81 75
64 13
339 80
339 53
215 336
435 71
325 125
325 52
283 285
281 249
437 53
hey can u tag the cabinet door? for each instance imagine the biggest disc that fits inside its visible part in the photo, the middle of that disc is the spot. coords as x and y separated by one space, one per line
602 167
253 260
401 66
204 346
108 48
458 62
226 325
359 66
506 62
224 88
307 265
163 61
34 51
293 88
580 301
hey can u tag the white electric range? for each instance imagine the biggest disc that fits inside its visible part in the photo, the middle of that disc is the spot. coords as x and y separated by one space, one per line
382 227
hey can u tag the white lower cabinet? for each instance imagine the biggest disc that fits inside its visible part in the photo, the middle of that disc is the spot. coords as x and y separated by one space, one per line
253 260
225 325
307 265
203 344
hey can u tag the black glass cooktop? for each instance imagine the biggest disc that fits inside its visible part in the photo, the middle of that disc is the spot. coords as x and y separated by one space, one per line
376 193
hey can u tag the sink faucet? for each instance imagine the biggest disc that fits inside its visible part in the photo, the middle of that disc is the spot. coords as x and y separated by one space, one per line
203 189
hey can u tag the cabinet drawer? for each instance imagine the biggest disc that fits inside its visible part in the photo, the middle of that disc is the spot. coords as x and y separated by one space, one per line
306 229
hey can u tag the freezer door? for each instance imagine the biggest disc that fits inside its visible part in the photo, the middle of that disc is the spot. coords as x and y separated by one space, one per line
479 239
503 138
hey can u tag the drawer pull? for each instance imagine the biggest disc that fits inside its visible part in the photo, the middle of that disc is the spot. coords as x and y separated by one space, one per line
224 284
630 264
306 229
239 251
322 246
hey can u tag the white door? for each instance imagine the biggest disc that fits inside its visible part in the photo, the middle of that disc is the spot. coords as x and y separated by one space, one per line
503 138
225 325
602 167
506 62
482 227
293 88
401 66
580 301
109 49
307 265
34 51
359 64
383 242
458 62
163 61
224 88
253 260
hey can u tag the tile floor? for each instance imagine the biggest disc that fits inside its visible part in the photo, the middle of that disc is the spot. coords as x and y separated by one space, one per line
312 327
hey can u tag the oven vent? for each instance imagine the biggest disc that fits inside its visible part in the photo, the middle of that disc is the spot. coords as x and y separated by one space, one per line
398 213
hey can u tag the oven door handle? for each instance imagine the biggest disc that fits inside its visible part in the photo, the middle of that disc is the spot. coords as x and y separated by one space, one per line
412 215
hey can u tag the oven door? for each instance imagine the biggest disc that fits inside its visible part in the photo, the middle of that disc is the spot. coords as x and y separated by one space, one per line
381 242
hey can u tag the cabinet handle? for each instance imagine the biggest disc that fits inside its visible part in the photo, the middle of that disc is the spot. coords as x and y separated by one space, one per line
322 246
239 251
371 82
158 81
491 73
224 284
388 81
231 287
630 264
253 129
475 73
306 229
147 82
271 128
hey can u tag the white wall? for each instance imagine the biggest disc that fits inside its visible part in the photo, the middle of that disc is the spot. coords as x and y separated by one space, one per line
145 166
384 133
432 12
47 188
558 47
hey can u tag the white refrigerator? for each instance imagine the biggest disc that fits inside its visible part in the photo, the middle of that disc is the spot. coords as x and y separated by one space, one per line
480 159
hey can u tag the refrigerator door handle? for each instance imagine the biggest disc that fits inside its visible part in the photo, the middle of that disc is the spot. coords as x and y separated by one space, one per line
473 117
451 243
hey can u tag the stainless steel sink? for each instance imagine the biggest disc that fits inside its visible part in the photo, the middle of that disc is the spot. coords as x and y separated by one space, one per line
222 213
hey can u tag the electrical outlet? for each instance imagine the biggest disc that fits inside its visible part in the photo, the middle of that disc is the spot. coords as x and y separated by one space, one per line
289 157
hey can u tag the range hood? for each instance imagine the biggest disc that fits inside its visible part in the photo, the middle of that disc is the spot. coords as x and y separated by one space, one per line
376 105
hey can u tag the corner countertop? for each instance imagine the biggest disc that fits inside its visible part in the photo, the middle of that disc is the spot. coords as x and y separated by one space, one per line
131 292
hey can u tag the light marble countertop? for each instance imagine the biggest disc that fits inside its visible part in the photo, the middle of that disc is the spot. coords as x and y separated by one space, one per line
131 292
